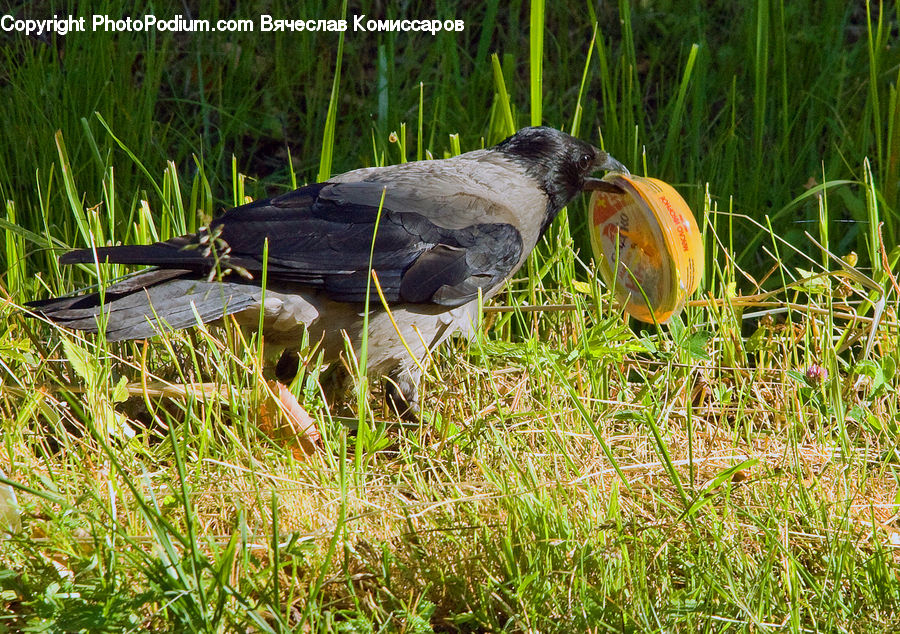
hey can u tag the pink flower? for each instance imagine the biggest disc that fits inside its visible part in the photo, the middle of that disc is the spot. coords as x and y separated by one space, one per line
816 374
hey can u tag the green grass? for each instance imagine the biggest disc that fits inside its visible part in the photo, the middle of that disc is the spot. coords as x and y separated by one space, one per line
578 472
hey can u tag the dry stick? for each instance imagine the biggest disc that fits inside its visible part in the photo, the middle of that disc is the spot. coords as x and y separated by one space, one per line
756 300
748 301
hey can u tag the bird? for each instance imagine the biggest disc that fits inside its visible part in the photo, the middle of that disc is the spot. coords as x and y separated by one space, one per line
440 235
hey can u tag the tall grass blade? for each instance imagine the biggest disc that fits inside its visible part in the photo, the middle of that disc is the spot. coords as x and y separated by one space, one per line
328 133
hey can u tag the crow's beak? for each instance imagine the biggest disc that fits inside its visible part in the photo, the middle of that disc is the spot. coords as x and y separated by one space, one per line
606 162
595 184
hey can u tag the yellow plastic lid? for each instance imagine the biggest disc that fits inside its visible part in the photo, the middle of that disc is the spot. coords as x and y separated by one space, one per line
644 236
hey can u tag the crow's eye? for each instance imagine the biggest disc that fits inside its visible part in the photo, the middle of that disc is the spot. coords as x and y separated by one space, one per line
585 162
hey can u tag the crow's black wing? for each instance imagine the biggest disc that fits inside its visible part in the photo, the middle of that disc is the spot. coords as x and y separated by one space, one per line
321 236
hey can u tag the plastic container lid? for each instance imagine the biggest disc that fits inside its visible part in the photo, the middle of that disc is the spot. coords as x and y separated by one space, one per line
645 237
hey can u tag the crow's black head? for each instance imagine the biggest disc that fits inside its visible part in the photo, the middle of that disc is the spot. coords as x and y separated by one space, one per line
557 161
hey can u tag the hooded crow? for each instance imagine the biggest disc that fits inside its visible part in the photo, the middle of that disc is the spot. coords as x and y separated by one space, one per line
436 233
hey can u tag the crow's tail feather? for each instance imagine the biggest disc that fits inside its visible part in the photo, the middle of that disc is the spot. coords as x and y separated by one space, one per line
146 304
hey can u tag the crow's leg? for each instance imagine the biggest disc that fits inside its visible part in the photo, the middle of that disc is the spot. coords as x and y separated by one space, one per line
401 392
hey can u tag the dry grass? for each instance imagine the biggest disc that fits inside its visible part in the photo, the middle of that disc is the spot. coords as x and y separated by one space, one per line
511 510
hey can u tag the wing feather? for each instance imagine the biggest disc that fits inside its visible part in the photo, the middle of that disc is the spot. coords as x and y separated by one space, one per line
322 236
